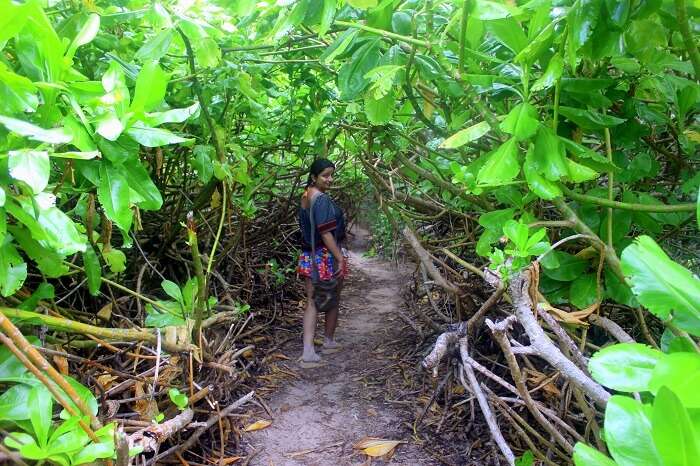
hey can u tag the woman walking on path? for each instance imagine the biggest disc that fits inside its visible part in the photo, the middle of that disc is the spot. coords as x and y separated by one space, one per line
330 257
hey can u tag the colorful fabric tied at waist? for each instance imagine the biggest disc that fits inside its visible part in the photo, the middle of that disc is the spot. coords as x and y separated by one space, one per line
325 262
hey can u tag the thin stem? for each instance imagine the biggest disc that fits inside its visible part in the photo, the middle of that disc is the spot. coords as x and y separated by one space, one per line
611 185
658 208
463 34
688 39
385 34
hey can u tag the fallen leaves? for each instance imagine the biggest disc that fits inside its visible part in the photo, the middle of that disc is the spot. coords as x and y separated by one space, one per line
258 425
376 447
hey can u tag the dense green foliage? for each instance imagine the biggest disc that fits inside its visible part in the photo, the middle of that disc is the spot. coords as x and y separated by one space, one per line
542 119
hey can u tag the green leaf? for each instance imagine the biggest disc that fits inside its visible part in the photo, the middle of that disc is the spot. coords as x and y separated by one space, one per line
153 137
14 403
680 373
40 406
626 367
179 399
541 186
583 291
517 232
570 267
672 431
12 20
619 11
138 180
401 23
466 135
61 233
151 85
521 122
380 111
587 456
35 133
175 115
351 76
74 155
115 259
109 126
339 46
93 452
172 290
43 291
113 194
582 19
550 75
17 93
618 290
13 270
549 156
662 285
487 10
84 394
93 271
49 261
508 32
580 173
31 167
502 165
156 47
588 119
362 4
327 15
628 433
86 34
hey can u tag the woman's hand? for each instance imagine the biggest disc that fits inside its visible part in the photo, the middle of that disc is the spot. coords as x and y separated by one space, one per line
339 265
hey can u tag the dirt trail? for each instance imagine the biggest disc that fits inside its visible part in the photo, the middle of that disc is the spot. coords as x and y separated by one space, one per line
318 417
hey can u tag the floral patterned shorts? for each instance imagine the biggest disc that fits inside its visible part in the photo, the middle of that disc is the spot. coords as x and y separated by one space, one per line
325 262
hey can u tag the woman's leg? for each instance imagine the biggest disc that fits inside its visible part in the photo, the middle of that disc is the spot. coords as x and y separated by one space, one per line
332 321
309 354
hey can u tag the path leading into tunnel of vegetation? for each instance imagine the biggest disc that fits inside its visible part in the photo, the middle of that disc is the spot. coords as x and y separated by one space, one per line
319 416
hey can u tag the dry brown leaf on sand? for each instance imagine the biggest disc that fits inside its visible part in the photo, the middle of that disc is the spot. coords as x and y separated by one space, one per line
258 425
376 447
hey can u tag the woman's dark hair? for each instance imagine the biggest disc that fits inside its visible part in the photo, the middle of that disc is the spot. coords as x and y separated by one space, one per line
316 168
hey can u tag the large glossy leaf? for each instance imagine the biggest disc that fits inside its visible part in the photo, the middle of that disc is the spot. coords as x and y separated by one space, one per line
40 404
582 19
93 271
521 122
587 456
175 115
541 186
680 373
661 284
583 291
153 137
113 194
49 261
155 47
17 93
550 75
501 166
549 155
139 180
569 267
151 84
61 233
31 167
84 394
14 403
489 10
380 111
33 132
588 119
13 270
12 19
628 433
466 135
351 76
626 367
672 431
509 33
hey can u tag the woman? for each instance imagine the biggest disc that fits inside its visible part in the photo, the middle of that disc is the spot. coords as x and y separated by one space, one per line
330 258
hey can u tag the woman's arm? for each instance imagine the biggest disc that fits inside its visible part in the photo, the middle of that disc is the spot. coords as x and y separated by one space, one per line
332 245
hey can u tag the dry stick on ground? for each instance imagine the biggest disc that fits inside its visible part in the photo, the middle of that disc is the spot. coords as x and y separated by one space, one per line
484 405
611 327
523 302
499 332
151 437
424 258
198 433
564 339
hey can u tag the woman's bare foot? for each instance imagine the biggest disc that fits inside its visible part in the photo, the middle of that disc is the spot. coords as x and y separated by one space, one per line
330 346
309 355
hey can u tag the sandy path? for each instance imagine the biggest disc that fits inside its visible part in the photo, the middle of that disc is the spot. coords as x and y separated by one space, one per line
329 408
